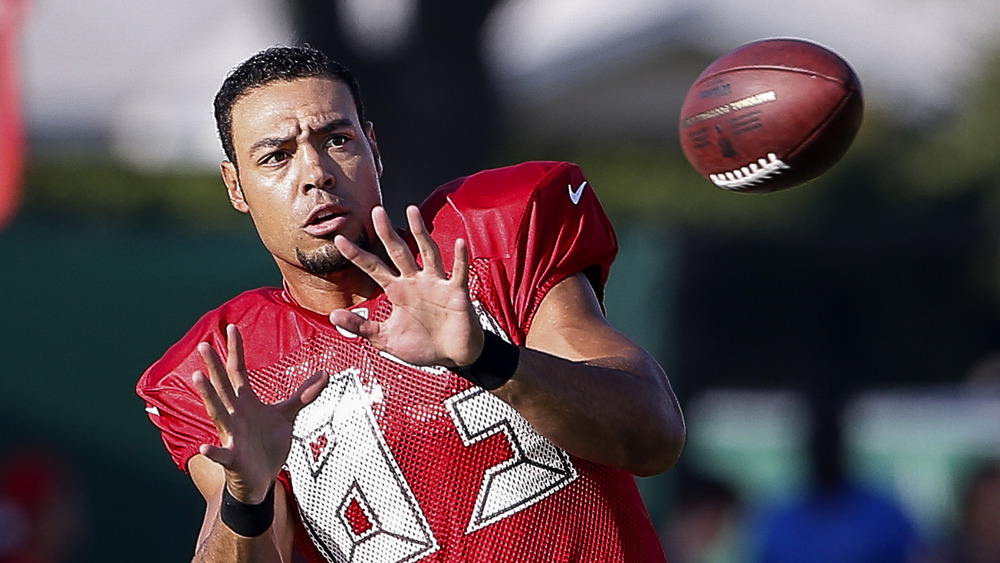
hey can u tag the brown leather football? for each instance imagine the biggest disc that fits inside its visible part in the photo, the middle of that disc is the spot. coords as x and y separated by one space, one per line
770 115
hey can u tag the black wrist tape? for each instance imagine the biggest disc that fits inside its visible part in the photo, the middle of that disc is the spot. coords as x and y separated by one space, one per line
495 365
247 520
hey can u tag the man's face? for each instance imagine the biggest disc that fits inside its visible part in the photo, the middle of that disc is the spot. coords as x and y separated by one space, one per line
306 170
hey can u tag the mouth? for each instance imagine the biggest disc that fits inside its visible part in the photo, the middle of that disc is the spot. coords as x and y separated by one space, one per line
325 220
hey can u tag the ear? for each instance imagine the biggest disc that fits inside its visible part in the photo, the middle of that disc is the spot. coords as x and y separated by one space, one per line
232 179
370 134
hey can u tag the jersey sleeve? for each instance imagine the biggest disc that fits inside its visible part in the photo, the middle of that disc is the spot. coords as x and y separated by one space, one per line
172 402
528 227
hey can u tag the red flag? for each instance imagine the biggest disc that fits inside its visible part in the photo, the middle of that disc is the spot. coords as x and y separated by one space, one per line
12 147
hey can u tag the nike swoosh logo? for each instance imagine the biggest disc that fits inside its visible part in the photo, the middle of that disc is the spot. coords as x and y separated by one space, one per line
153 411
575 195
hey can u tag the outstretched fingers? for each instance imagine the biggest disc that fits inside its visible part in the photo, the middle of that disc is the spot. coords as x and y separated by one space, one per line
395 247
235 363
229 379
354 324
223 456
304 395
428 249
370 263
214 405
460 267
254 437
218 396
220 386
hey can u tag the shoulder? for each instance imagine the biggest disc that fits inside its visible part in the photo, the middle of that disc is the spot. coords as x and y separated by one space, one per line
241 310
496 208
507 186
172 401
527 228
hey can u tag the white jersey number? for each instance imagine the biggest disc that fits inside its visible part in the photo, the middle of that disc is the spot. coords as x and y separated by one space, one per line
536 470
354 499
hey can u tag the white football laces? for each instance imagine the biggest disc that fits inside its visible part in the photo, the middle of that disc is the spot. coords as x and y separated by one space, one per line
751 174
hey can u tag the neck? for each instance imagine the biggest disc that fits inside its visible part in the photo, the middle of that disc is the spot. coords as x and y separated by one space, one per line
326 294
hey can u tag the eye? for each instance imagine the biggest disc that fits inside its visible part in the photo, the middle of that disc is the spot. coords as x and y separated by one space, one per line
276 157
337 140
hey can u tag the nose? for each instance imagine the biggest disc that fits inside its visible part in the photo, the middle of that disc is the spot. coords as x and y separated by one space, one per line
314 171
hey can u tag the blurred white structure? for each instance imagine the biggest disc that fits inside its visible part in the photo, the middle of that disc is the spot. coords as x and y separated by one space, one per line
575 64
139 76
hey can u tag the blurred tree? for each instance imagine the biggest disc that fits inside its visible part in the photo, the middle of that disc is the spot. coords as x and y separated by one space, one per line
425 88
960 152
895 249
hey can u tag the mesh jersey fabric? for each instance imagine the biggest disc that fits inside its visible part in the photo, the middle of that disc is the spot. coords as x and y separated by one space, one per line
396 463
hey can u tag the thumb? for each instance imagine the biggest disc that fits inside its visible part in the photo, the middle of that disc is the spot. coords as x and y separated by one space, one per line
222 456
354 324
304 395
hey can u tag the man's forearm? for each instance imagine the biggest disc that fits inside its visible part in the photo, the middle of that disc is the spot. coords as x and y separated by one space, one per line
222 545
617 412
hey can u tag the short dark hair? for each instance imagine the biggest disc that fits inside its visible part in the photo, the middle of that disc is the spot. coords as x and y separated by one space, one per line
274 64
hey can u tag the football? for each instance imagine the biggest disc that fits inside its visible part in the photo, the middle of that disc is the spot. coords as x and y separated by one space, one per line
770 115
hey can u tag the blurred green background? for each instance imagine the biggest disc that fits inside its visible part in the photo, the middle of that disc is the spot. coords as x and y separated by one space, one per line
880 280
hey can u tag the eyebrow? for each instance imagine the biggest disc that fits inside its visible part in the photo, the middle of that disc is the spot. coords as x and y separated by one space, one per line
326 128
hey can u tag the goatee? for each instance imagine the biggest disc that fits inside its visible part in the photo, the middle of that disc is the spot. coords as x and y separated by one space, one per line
328 260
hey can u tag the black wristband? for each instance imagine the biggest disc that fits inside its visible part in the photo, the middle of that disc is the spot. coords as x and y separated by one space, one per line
495 365
247 520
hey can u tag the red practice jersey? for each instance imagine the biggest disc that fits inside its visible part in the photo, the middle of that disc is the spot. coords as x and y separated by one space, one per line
395 463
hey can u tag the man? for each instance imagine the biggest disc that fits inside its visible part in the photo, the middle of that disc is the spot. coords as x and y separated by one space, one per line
450 393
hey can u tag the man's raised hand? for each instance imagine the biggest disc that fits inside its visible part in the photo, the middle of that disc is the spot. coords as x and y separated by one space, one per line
433 321
255 437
